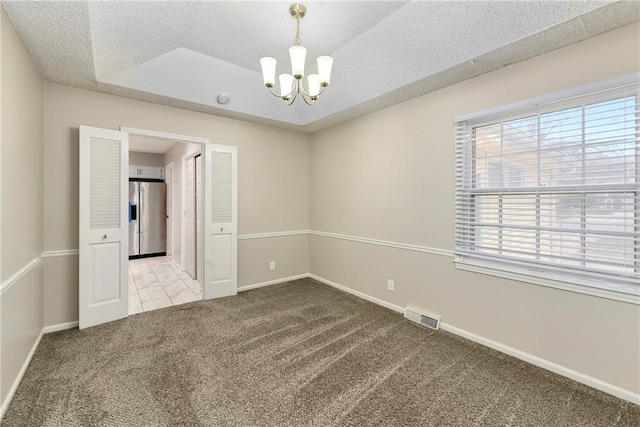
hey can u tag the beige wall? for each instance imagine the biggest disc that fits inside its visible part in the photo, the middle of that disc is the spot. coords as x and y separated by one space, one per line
21 228
390 176
22 135
22 323
288 252
146 159
60 291
273 182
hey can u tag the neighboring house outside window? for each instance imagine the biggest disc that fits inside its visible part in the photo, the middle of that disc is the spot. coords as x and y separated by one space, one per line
552 192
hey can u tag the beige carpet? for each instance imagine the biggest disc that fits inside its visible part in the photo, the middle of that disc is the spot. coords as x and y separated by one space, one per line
296 354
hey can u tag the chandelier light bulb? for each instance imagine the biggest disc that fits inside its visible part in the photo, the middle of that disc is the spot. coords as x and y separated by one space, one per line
292 85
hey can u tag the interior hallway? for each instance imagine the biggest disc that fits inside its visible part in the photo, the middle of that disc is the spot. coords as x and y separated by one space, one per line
157 283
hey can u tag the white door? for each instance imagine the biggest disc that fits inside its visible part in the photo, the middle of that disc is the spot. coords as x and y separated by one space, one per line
169 210
198 186
103 220
220 221
189 218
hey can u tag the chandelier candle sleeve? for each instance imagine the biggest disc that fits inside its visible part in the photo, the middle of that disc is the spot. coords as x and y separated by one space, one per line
286 85
298 55
324 69
314 84
268 70
292 85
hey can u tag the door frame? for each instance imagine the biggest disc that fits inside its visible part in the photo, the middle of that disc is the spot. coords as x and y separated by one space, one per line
183 223
205 142
170 201
199 220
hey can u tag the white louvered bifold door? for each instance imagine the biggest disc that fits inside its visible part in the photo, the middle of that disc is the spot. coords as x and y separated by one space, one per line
221 221
103 227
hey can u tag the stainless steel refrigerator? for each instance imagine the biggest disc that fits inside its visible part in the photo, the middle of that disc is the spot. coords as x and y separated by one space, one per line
147 219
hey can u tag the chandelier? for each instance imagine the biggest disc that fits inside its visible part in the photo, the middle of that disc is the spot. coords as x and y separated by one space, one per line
291 85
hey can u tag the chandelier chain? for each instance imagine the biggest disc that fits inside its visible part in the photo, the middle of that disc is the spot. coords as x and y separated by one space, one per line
297 40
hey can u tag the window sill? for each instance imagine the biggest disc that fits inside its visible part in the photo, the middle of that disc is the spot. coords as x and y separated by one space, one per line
624 292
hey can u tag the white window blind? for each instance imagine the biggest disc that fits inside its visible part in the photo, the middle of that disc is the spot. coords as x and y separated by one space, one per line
554 189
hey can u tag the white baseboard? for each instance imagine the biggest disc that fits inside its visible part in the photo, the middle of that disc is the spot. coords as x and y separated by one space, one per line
174 262
358 294
16 383
60 327
550 366
535 360
272 282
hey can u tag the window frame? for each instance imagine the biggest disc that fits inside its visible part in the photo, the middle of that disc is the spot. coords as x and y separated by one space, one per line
604 285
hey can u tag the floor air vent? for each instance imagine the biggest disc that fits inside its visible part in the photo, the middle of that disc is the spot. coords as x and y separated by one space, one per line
428 320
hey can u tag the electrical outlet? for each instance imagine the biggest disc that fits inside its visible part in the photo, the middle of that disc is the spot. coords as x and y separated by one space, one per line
390 285
272 265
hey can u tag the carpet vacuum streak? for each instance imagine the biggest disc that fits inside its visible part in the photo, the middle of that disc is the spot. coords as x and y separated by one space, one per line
295 354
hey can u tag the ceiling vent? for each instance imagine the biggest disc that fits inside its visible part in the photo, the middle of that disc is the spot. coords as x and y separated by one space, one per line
428 320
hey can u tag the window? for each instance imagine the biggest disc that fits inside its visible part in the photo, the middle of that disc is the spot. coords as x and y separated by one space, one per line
553 191
503 174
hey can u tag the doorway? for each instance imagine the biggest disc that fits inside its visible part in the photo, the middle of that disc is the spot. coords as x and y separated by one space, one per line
169 209
105 212
192 199
157 279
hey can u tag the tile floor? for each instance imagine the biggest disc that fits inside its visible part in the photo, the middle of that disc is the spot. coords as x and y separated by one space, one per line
157 283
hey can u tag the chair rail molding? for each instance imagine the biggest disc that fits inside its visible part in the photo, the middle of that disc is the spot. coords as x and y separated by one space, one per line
15 278
386 243
274 234
59 253
252 236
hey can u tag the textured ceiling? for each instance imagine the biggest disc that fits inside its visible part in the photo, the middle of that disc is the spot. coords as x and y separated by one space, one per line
186 53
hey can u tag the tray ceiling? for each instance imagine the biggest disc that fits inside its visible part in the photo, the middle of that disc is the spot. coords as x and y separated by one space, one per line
186 53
